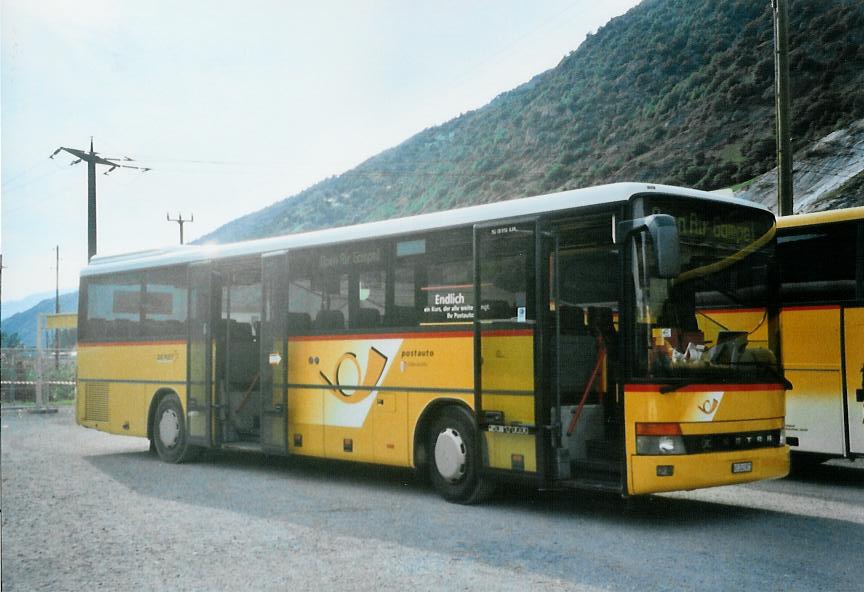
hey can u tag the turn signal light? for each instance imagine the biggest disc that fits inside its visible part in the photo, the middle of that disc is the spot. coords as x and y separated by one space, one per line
658 429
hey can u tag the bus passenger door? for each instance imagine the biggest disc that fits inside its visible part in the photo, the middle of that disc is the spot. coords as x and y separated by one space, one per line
274 352
853 338
199 373
505 329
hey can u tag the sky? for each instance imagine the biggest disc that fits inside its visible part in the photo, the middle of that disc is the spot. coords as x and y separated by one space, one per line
233 107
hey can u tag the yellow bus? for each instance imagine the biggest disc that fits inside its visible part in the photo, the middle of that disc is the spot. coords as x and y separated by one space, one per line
821 299
551 340
822 324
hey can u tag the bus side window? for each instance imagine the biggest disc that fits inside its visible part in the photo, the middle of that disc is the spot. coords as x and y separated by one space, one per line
113 308
371 292
303 305
165 303
818 263
403 312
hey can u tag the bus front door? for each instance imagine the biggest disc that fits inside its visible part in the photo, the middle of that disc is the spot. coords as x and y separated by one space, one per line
274 353
505 346
200 351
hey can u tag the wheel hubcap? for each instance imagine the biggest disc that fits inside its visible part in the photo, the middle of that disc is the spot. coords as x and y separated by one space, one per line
450 455
169 428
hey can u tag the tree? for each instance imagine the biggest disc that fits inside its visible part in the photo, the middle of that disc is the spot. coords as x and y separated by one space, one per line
10 341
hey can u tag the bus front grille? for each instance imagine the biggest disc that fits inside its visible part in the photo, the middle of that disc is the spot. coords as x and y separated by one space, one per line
96 401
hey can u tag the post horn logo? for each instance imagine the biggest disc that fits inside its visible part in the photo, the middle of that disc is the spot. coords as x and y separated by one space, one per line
348 372
709 406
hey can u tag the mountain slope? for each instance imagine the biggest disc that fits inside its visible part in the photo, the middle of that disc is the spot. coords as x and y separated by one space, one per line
11 307
826 174
674 91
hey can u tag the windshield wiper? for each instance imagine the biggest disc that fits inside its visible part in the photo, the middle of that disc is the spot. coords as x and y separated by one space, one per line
776 374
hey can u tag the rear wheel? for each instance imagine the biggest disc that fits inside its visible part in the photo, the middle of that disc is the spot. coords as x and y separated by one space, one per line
169 432
454 459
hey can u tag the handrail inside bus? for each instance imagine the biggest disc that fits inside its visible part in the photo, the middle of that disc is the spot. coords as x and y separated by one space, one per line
730 260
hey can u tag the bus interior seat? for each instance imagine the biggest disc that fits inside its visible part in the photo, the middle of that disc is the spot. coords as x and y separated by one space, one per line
497 309
298 322
173 327
123 328
329 319
368 318
156 328
97 328
241 332
573 320
402 316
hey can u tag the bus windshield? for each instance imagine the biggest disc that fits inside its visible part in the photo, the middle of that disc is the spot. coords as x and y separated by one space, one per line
726 258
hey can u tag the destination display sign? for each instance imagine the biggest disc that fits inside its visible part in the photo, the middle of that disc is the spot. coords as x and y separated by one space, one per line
714 223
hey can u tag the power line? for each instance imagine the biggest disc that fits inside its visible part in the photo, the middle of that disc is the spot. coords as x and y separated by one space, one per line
14 178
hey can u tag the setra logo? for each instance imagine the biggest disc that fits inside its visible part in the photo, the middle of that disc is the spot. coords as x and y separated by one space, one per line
347 375
709 406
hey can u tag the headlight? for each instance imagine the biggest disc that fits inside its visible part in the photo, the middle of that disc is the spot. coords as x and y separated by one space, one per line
660 445
659 438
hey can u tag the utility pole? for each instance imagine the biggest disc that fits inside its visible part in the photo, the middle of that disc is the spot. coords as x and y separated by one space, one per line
57 307
179 220
92 158
785 203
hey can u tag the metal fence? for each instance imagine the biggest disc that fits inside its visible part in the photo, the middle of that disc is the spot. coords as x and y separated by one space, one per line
30 376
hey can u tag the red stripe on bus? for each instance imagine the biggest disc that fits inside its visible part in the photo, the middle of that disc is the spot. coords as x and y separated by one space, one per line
104 343
411 335
728 310
652 388
813 307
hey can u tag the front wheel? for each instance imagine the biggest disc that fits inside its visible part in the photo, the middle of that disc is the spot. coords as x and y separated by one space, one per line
454 458
169 432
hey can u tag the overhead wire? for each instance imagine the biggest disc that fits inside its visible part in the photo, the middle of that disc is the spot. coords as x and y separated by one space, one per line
23 173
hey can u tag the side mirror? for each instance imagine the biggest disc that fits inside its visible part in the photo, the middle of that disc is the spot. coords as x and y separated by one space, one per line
664 236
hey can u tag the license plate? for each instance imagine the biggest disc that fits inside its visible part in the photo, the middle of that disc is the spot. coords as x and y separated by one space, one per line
742 467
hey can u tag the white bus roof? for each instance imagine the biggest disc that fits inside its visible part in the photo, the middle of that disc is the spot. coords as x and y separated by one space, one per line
564 200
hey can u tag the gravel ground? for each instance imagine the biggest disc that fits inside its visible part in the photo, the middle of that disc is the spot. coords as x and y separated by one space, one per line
82 510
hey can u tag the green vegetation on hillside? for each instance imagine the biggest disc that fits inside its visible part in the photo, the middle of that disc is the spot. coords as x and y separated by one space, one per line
675 91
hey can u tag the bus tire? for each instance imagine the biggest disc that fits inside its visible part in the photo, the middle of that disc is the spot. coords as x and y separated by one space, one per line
454 458
169 432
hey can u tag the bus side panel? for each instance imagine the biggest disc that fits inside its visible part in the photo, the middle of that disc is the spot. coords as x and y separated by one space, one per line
329 416
853 326
117 381
339 420
305 420
508 387
704 412
811 361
